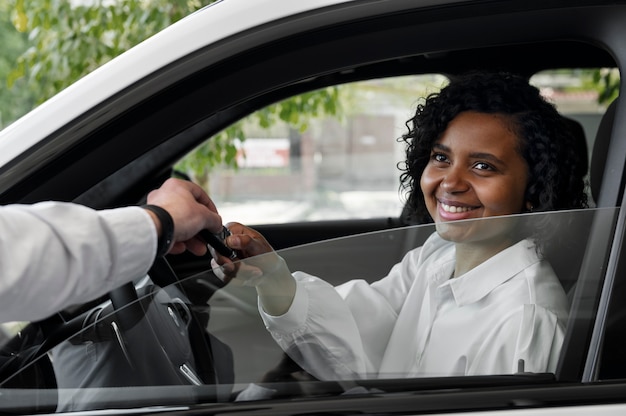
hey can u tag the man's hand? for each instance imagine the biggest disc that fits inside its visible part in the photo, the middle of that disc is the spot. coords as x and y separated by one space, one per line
191 209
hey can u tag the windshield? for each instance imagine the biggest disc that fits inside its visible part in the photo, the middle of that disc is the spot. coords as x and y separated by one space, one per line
201 340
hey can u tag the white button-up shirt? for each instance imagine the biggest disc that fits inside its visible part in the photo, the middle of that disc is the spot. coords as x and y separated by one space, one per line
53 255
418 321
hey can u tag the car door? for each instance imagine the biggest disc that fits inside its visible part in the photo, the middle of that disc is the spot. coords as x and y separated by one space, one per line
115 151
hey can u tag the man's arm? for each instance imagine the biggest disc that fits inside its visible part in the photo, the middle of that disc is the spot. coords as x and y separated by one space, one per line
53 255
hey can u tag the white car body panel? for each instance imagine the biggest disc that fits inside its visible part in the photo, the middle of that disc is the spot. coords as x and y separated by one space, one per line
599 410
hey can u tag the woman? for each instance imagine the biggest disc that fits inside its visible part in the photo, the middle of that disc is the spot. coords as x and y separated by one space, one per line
476 298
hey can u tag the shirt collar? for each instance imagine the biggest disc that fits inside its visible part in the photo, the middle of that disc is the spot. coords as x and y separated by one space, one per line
481 280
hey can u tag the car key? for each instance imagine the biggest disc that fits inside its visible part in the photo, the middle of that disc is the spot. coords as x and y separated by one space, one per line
217 241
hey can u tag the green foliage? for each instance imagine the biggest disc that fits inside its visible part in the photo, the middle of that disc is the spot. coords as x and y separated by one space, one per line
607 82
297 112
69 39
18 100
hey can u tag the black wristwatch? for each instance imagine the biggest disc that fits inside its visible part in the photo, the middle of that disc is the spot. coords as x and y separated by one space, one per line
167 229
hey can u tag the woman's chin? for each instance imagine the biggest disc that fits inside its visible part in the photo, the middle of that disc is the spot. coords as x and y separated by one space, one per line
456 231
477 230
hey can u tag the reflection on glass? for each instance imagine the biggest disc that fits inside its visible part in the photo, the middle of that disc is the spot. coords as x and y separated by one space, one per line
369 307
506 316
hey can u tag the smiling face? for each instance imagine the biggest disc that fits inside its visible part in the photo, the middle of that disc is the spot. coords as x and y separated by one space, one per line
475 171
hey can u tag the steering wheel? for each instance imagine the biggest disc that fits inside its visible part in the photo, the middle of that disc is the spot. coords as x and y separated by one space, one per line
123 321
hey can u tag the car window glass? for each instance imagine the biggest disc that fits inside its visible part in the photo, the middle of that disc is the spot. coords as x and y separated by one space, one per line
331 167
203 341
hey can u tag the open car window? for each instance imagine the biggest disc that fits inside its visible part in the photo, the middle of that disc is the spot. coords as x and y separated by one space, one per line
199 340
323 162
343 164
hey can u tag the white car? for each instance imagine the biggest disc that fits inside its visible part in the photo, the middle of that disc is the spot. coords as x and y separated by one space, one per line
179 341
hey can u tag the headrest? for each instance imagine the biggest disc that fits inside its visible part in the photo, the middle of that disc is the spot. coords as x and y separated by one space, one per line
580 141
600 150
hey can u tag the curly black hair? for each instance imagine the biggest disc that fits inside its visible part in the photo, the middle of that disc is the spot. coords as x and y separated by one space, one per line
556 167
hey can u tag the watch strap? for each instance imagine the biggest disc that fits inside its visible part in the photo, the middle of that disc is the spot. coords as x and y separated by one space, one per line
167 228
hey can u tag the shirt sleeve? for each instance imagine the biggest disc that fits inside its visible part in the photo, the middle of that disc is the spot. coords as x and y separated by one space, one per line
53 255
340 332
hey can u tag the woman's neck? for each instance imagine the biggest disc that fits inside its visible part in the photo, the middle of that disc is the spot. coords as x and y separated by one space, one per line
470 255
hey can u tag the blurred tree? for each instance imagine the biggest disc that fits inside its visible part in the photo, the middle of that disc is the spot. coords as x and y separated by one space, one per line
221 149
69 39
16 101
607 82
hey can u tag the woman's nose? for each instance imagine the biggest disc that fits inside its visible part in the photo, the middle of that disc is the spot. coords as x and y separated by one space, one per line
454 181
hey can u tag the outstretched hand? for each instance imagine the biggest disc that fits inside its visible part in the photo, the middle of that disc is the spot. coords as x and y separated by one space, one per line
191 209
257 265
247 243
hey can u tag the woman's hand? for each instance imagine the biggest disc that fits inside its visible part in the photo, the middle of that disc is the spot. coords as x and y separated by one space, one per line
257 265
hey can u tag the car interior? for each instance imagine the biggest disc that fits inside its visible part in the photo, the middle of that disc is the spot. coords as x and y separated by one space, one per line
156 126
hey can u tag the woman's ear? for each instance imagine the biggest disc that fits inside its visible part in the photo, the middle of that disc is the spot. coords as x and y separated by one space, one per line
529 206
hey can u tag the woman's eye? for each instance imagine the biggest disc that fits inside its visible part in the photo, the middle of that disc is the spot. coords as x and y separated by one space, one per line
483 166
438 157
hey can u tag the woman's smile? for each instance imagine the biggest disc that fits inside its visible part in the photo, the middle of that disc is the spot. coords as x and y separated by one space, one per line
452 211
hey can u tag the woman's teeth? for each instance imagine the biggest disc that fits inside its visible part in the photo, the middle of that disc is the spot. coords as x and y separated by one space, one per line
455 209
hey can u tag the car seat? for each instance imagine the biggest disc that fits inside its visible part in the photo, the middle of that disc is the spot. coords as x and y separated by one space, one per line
565 265
600 150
